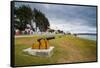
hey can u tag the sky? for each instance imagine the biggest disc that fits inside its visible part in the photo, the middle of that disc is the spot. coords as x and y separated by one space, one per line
69 18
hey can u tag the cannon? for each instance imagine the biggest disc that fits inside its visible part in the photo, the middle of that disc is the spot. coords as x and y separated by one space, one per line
41 47
42 43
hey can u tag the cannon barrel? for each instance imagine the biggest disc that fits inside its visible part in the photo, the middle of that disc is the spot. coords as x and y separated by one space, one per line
48 38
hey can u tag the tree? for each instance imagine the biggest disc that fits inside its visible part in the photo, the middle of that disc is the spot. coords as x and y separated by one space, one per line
51 30
41 20
25 15
60 31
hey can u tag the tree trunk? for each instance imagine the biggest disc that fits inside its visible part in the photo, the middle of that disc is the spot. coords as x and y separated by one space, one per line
31 25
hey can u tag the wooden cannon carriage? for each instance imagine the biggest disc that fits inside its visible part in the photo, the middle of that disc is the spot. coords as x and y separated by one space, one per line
42 43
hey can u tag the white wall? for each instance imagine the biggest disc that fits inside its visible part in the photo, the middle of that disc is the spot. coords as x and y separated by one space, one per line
5 34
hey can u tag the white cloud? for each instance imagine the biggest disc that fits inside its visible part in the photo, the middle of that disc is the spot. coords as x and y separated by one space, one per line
72 26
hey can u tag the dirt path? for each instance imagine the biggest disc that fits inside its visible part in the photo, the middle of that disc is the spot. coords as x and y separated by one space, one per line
74 54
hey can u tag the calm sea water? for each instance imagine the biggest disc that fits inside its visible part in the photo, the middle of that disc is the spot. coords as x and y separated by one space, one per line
90 37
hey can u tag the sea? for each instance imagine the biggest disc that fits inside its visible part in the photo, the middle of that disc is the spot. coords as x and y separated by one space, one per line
90 37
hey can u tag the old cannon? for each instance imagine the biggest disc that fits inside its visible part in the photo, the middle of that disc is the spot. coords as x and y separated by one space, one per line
42 43
41 47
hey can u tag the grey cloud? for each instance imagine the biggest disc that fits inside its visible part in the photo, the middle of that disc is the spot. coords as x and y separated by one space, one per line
75 15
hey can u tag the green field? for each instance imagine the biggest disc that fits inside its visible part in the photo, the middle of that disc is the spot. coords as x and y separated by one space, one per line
67 49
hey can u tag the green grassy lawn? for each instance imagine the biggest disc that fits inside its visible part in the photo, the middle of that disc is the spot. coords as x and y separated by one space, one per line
67 49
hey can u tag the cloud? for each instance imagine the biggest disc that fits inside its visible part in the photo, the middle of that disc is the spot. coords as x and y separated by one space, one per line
73 28
67 17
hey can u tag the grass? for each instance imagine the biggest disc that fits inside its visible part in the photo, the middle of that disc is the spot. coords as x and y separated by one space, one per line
68 49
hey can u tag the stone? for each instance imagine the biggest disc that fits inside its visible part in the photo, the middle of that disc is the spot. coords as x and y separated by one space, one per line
40 52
